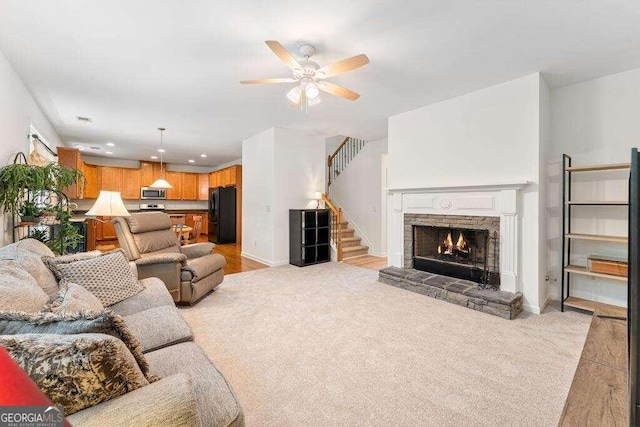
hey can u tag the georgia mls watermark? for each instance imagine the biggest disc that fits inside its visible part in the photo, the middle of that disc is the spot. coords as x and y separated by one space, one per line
31 416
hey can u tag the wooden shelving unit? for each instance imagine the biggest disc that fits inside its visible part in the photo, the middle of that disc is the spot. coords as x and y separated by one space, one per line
592 306
569 236
597 237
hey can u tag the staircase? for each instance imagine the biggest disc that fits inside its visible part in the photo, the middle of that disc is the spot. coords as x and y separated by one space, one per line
351 245
342 236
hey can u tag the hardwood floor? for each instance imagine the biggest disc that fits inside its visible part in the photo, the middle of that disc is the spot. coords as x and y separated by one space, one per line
368 261
236 263
598 394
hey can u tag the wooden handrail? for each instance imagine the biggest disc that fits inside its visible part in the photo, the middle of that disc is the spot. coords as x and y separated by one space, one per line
335 153
342 156
336 233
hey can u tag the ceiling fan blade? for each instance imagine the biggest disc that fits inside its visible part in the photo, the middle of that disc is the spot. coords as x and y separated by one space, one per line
343 66
267 81
284 55
336 90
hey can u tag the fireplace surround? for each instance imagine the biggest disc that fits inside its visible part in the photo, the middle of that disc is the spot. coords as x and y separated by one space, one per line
499 201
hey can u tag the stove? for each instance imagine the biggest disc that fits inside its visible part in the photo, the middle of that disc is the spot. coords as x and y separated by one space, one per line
152 207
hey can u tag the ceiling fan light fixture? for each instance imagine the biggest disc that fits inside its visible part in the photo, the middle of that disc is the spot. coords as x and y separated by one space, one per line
311 90
314 101
298 74
295 94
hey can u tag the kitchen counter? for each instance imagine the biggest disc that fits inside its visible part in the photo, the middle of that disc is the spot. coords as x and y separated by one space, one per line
78 213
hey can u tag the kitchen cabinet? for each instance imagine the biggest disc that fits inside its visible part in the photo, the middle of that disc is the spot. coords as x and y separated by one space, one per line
189 186
214 179
148 173
203 186
225 177
91 185
110 178
70 158
131 183
175 179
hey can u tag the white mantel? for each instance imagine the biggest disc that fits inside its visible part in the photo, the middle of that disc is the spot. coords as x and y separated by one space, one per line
493 199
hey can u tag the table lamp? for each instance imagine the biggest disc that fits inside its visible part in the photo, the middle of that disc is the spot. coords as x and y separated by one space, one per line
109 203
317 196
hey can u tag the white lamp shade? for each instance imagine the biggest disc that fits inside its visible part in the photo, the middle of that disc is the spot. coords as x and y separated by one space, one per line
295 94
161 183
109 203
318 195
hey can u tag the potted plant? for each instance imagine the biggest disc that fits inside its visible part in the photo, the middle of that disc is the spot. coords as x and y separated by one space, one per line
18 178
29 212
23 187
49 216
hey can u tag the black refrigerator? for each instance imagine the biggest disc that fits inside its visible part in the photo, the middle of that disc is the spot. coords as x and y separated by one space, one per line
222 215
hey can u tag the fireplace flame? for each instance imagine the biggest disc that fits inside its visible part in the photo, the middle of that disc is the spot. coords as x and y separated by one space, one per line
448 242
462 244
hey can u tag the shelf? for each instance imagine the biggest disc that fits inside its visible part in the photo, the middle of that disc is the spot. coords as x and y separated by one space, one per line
600 203
592 306
577 269
598 237
595 168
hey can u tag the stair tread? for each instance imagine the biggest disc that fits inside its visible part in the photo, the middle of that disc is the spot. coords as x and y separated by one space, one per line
355 248
347 230
351 239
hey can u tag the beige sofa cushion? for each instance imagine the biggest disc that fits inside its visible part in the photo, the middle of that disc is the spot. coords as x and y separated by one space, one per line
21 255
74 298
143 222
19 290
107 276
158 327
157 241
76 371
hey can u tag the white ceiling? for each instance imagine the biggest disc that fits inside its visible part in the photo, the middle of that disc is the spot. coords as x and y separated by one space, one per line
134 65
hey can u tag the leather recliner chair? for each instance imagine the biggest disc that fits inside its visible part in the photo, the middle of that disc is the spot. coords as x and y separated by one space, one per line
189 271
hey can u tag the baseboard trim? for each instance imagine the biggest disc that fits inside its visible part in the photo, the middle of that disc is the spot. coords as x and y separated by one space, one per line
257 258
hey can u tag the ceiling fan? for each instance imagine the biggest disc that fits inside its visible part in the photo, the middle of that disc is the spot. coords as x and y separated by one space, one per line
310 77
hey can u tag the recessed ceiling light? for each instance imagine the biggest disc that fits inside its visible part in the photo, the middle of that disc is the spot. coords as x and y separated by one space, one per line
109 152
110 144
203 155
154 157
84 119
161 150
191 161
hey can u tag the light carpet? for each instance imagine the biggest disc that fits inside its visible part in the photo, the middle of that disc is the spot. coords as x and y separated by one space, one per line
329 345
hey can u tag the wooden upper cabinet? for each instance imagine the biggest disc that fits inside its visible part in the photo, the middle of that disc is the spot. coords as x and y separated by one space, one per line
110 178
131 183
189 186
70 158
213 179
147 173
175 179
203 186
92 183
225 177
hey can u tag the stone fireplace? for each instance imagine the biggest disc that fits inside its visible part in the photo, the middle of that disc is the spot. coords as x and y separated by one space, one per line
464 247
458 244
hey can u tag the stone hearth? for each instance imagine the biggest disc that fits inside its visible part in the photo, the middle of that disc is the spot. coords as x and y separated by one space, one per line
507 305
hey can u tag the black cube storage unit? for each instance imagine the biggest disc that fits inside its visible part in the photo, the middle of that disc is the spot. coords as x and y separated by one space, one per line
309 231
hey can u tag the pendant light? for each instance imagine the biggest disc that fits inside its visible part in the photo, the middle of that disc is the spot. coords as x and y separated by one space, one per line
161 182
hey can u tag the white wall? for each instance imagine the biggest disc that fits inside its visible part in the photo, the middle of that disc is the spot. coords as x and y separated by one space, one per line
594 122
489 136
300 172
258 192
358 191
18 110
282 169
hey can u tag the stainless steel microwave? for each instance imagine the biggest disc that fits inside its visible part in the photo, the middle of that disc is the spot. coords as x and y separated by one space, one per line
150 193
